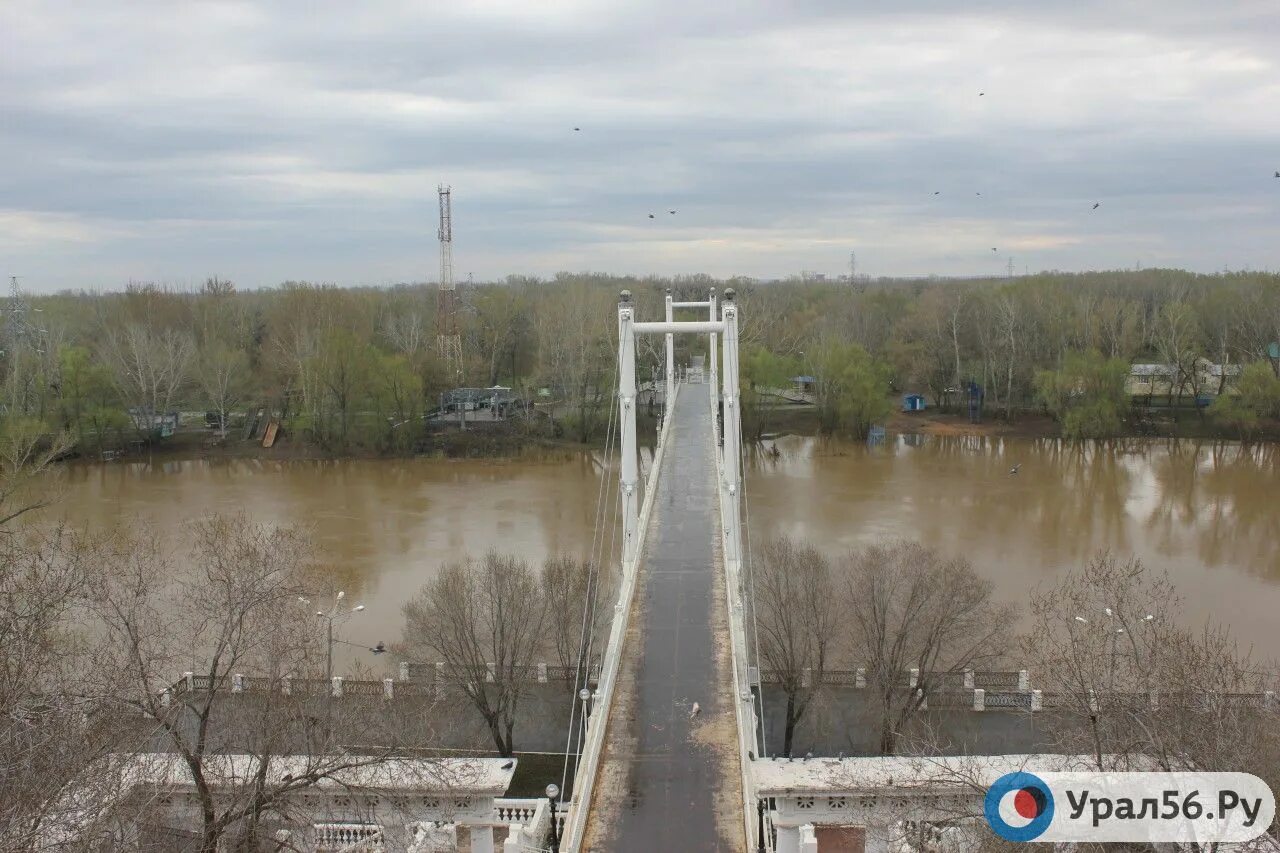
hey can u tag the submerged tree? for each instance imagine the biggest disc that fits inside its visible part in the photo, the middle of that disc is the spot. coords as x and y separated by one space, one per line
1086 395
851 390
764 374
1255 398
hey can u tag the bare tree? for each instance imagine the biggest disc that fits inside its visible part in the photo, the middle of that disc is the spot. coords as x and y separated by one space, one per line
499 311
1126 680
796 614
150 369
223 374
484 620
406 331
1179 340
577 594
576 350
229 607
50 733
908 607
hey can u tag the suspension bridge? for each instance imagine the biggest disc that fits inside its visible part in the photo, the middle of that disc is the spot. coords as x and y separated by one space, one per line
667 749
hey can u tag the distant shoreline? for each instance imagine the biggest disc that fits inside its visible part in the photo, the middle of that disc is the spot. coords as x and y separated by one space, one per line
504 442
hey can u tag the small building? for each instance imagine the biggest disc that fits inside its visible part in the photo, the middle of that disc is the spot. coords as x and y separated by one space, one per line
913 403
804 384
154 425
1217 378
1164 380
1151 380
492 404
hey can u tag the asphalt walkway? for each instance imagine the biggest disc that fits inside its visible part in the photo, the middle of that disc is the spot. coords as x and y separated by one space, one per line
669 778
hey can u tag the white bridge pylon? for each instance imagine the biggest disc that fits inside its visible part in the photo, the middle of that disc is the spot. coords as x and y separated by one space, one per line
724 327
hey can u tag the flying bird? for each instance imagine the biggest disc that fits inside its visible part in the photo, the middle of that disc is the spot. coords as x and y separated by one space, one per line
577 128
651 216
1278 174
980 94
1096 205
977 193
672 212
1015 468
939 192
993 248
379 648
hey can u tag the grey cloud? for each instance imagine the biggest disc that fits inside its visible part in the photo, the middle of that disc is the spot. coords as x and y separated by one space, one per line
288 141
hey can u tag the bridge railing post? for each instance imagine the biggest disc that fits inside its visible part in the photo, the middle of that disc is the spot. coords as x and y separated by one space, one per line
715 372
627 413
731 428
671 355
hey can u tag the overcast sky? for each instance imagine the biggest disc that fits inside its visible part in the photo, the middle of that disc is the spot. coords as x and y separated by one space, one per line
170 141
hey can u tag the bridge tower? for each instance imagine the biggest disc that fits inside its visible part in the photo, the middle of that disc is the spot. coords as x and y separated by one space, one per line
722 330
448 338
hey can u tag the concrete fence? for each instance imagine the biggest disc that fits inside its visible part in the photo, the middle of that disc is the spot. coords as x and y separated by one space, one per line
981 699
539 672
415 680
956 680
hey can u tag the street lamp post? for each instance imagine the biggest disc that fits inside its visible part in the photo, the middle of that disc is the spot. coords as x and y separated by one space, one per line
553 791
335 612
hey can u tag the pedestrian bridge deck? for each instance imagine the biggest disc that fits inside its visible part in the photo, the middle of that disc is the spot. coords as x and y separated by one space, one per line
669 780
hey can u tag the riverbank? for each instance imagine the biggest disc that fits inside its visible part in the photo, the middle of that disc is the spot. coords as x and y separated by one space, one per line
480 440
1157 423
511 440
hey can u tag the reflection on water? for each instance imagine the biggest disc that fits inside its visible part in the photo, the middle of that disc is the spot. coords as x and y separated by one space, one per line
1206 512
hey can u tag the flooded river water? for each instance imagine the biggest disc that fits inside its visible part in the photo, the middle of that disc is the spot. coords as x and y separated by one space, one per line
1208 513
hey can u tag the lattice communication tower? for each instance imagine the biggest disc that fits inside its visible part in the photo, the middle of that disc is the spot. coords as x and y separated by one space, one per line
448 338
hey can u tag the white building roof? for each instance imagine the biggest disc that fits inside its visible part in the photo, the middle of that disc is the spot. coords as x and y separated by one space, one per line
1152 370
116 776
781 776
464 775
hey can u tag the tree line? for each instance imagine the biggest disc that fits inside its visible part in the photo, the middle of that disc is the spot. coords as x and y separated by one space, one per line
357 368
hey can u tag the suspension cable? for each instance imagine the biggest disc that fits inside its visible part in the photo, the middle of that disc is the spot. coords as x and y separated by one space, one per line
751 587
582 673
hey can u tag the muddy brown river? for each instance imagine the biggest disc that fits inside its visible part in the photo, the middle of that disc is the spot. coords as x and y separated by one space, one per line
1208 513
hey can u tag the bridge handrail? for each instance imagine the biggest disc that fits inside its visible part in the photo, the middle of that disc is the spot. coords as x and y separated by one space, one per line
745 717
589 764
